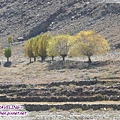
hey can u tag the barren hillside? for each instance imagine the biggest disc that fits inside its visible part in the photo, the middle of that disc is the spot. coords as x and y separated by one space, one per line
60 89
29 18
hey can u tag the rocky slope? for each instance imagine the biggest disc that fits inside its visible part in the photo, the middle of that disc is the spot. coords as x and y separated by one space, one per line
29 18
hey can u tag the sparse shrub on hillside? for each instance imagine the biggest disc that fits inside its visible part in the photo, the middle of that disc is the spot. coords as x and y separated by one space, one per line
10 39
88 43
8 53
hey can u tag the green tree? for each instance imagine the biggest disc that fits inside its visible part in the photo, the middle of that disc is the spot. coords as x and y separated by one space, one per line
42 45
8 53
88 43
34 45
28 49
52 48
10 39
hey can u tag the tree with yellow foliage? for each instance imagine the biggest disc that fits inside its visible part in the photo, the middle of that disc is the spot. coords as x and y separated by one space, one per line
42 45
37 46
34 46
28 49
61 45
52 48
88 43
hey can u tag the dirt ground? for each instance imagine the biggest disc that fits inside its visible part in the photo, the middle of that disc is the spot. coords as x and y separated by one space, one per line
20 71
68 115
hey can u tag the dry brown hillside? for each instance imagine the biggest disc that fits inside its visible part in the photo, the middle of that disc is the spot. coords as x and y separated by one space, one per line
30 18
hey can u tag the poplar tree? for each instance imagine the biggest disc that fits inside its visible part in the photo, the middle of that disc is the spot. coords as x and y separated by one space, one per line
52 50
42 45
28 49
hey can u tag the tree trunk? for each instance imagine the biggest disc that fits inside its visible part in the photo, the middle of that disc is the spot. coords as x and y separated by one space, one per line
52 58
34 59
7 59
89 59
43 58
63 56
30 60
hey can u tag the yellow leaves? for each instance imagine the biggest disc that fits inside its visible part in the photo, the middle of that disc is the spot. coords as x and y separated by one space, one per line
28 48
52 48
74 51
62 44
42 44
88 43
37 46
71 40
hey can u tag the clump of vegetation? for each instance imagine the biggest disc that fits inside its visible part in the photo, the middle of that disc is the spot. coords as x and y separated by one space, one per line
78 110
52 48
37 47
61 45
13 88
88 43
10 40
72 86
42 45
53 109
109 83
8 53
28 49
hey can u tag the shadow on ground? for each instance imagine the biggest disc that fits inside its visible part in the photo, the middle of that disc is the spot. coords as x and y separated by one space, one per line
76 64
7 64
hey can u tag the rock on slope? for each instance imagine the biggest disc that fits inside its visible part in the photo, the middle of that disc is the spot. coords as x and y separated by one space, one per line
29 18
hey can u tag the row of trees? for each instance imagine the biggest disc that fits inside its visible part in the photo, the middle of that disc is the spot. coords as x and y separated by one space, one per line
86 43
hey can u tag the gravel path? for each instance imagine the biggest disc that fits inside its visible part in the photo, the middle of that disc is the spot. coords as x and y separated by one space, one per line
69 115
59 103
56 114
